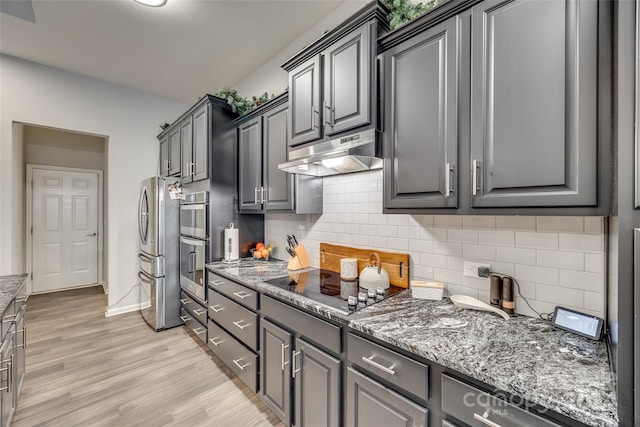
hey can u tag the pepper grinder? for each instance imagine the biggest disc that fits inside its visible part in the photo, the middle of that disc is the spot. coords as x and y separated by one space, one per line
495 294
508 304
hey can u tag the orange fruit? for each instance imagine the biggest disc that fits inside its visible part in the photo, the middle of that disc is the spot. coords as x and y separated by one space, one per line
257 254
265 253
259 246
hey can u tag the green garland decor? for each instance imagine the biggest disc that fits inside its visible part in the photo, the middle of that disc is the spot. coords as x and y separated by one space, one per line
403 11
242 105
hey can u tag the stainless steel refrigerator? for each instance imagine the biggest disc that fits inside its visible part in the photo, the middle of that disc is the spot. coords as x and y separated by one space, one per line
159 224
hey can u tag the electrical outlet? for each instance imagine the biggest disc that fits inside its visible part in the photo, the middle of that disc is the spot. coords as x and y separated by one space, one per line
471 268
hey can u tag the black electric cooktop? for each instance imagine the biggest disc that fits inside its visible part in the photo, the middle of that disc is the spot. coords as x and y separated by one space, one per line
325 286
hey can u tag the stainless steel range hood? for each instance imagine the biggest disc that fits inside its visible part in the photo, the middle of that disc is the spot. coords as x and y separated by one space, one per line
352 153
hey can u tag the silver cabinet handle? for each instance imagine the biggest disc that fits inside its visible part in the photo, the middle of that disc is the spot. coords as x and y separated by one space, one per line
9 318
315 124
447 180
213 341
293 363
193 169
168 166
240 325
255 195
327 120
242 294
199 311
21 299
185 318
282 350
199 331
185 301
8 369
484 419
91 234
263 195
474 177
370 361
215 282
237 363
216 308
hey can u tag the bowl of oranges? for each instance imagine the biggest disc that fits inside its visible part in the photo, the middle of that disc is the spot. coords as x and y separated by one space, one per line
261 251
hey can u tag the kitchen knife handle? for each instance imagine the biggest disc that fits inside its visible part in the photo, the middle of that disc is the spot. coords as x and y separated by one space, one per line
484 419
474 177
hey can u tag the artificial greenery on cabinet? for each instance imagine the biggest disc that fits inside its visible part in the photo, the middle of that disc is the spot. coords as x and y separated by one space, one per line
242 105
403 11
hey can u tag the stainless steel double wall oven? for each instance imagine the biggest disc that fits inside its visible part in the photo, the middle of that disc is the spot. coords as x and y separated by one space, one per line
194 245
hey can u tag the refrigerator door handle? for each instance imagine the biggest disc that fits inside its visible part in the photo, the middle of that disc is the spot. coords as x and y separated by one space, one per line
143 218
145 277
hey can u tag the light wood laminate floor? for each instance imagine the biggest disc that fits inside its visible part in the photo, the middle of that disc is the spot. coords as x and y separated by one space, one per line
85 369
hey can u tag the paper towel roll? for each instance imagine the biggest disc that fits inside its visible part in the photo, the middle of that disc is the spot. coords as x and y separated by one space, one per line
231 239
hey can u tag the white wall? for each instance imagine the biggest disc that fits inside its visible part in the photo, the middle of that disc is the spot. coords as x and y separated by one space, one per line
273 79
556 260
40 95
53 147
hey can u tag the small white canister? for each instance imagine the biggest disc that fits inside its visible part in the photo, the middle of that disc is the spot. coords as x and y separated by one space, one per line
348 269
231 239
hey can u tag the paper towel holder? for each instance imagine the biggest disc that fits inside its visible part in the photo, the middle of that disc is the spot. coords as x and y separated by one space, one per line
231 242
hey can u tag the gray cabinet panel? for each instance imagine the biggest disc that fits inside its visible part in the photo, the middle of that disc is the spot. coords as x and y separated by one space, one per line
235 291
7 375
21 348
164 156
250 165
241 361
242 323
279 184
275 375
317 386
304 102
534 83
371 404
637 105
421 121
186 142
346 82
192 323
200 160
174 156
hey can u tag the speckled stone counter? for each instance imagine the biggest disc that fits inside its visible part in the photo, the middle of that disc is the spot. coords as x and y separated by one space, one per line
524 356
9 287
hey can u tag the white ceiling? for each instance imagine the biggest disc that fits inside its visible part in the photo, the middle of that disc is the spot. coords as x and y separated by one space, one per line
179 51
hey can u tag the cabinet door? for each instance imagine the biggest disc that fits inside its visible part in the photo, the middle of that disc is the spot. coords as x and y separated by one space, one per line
275 375
534 99
304 103
200 147
186 142
421 137
250 165
21 348
317 386
371 404
7 375
164 156
174 164
347 79
279 184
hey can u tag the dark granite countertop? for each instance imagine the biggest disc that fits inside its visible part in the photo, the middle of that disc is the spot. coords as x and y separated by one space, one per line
523 356
9 287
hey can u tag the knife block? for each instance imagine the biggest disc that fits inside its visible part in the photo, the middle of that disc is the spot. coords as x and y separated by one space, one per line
300 261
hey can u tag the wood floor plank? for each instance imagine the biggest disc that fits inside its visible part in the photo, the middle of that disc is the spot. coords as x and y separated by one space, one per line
85 369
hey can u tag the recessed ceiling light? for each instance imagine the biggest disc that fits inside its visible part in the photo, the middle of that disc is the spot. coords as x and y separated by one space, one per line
152 3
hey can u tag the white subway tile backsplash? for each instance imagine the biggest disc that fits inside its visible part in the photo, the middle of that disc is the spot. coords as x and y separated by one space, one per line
560 224
479 251
516 255
536 240
496 238
560 258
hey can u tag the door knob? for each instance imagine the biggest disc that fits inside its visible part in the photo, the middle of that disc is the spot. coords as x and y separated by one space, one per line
91 235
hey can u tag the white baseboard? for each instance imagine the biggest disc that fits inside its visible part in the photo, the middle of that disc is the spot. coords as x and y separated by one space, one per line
126 309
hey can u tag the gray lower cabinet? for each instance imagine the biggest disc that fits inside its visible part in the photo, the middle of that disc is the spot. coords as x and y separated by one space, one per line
243 362
534 103
7 375
21 348
275 373
369 403
421 119
194 325
305 104
317 394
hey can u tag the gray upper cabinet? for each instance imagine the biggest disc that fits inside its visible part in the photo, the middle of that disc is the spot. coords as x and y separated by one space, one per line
421 120
164 155
200 163
170 153
347 77
534 103
275 375
637 112
250 165
304 102
279 184
186 143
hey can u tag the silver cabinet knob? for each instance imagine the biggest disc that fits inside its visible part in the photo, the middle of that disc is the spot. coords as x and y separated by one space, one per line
91 235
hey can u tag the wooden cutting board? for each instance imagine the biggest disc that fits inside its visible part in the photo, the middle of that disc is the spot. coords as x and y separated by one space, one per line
396 264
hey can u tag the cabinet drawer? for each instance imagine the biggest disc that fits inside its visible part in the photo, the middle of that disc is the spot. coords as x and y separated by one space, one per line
369 403
8 317
470 405
21 297
233 290
194 326
317 330
243 362
193 307
397 369
239 321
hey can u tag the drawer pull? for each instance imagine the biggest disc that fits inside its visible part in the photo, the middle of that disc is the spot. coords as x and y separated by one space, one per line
200 311
237 363
215 282
371 362
293 363
199 331
185 318
240 325
9 318
213 341
484 419
216 308
282 349
185 301
242 294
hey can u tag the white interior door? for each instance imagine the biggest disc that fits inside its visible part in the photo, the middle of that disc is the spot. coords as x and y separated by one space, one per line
65 229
